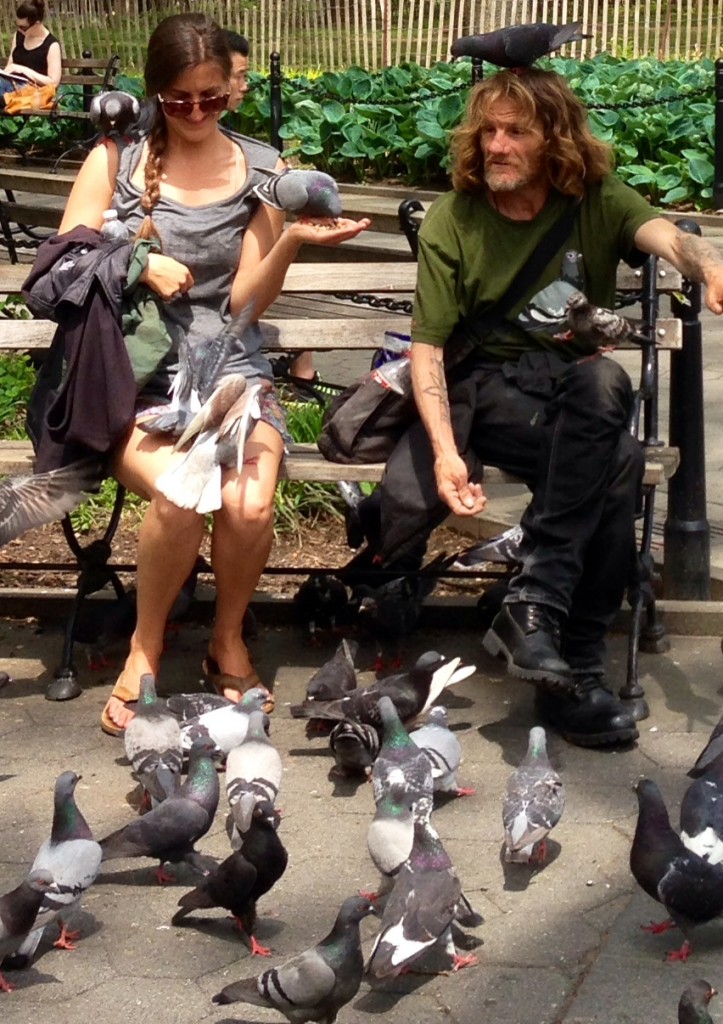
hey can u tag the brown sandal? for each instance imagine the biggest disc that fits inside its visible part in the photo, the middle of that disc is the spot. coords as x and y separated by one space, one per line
219 681
121 692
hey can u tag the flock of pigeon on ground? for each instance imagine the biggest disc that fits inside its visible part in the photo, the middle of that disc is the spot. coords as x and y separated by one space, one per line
176 746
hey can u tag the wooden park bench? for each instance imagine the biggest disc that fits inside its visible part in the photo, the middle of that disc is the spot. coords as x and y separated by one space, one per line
315 313
92 74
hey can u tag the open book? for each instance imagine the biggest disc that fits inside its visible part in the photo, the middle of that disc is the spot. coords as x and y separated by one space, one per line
15 79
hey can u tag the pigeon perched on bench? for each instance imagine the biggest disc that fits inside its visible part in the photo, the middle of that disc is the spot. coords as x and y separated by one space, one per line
595 326
518 46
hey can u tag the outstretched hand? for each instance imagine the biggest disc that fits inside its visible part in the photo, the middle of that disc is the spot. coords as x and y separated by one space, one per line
327 230
454 487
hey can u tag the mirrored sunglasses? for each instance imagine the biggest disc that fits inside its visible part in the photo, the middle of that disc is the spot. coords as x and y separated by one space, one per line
184 108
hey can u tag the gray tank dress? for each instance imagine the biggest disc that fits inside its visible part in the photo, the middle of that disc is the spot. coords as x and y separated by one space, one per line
207 239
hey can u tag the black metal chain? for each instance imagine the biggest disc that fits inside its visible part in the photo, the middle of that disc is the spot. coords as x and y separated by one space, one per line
377 302
652 102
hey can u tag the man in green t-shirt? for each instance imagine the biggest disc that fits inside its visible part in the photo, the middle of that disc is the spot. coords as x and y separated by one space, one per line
543 407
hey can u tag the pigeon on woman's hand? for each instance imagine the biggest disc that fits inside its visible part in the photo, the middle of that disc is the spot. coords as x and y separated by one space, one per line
304 193
168 832
690 889
18 910
152 743
533 804
518 46
315 984
693 1005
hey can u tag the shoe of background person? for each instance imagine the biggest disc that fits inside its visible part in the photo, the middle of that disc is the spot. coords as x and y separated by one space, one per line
589 715
528 637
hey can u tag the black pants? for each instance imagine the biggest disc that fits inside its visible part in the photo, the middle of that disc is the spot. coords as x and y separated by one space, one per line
562 428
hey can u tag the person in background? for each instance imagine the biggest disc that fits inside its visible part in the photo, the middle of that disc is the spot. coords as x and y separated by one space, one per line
190 185
36 54
303 365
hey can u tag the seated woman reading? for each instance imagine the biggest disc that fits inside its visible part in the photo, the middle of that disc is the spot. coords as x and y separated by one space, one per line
35 58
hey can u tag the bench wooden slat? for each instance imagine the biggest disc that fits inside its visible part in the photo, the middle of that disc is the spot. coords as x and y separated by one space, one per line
33 216
305 463
30 181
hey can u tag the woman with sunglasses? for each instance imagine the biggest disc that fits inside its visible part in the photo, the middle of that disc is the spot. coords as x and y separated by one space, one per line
36 56
190 185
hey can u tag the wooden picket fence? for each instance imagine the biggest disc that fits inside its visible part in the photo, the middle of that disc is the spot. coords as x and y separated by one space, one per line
333 34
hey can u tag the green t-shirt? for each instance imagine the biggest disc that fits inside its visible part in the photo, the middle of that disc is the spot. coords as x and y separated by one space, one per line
469 254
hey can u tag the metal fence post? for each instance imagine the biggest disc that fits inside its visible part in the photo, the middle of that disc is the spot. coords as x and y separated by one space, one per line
87 89
275 100
718 148
686 566
477 70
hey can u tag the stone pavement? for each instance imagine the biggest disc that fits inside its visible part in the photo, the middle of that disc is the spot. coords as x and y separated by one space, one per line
562 944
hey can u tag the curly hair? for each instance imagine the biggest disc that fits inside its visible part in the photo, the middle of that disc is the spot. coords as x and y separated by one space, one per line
573 156
177 44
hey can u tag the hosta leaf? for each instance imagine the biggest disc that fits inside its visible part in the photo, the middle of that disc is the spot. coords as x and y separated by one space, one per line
333 111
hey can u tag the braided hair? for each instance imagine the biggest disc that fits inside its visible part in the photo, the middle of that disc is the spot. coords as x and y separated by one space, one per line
178 43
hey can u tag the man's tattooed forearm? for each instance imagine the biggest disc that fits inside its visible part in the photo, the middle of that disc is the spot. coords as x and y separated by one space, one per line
696 256
437 388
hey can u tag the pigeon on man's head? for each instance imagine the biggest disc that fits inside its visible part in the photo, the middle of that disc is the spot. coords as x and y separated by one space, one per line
72 857
305 193
114 113
152 741
596 327
690 889
315 984
693 1005
421 908
30 501
533 804
243 878
18 910
169 831
441 746
518 46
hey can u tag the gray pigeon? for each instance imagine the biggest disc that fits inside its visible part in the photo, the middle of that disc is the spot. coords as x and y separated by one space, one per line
225 726
315 984
253 767
336 676
153 745
400 763
305 193
443 749
518 46
421 908
114 113
710 754
693 1005
169 831
390 835
72 857
533 804
354 745
30 501
18 910
594 326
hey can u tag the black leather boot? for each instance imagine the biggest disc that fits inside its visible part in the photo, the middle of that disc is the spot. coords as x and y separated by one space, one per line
589 715
528 637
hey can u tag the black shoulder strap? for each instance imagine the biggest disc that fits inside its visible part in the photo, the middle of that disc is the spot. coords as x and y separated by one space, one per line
479 323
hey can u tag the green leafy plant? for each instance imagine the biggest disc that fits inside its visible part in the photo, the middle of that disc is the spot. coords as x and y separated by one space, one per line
17 377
